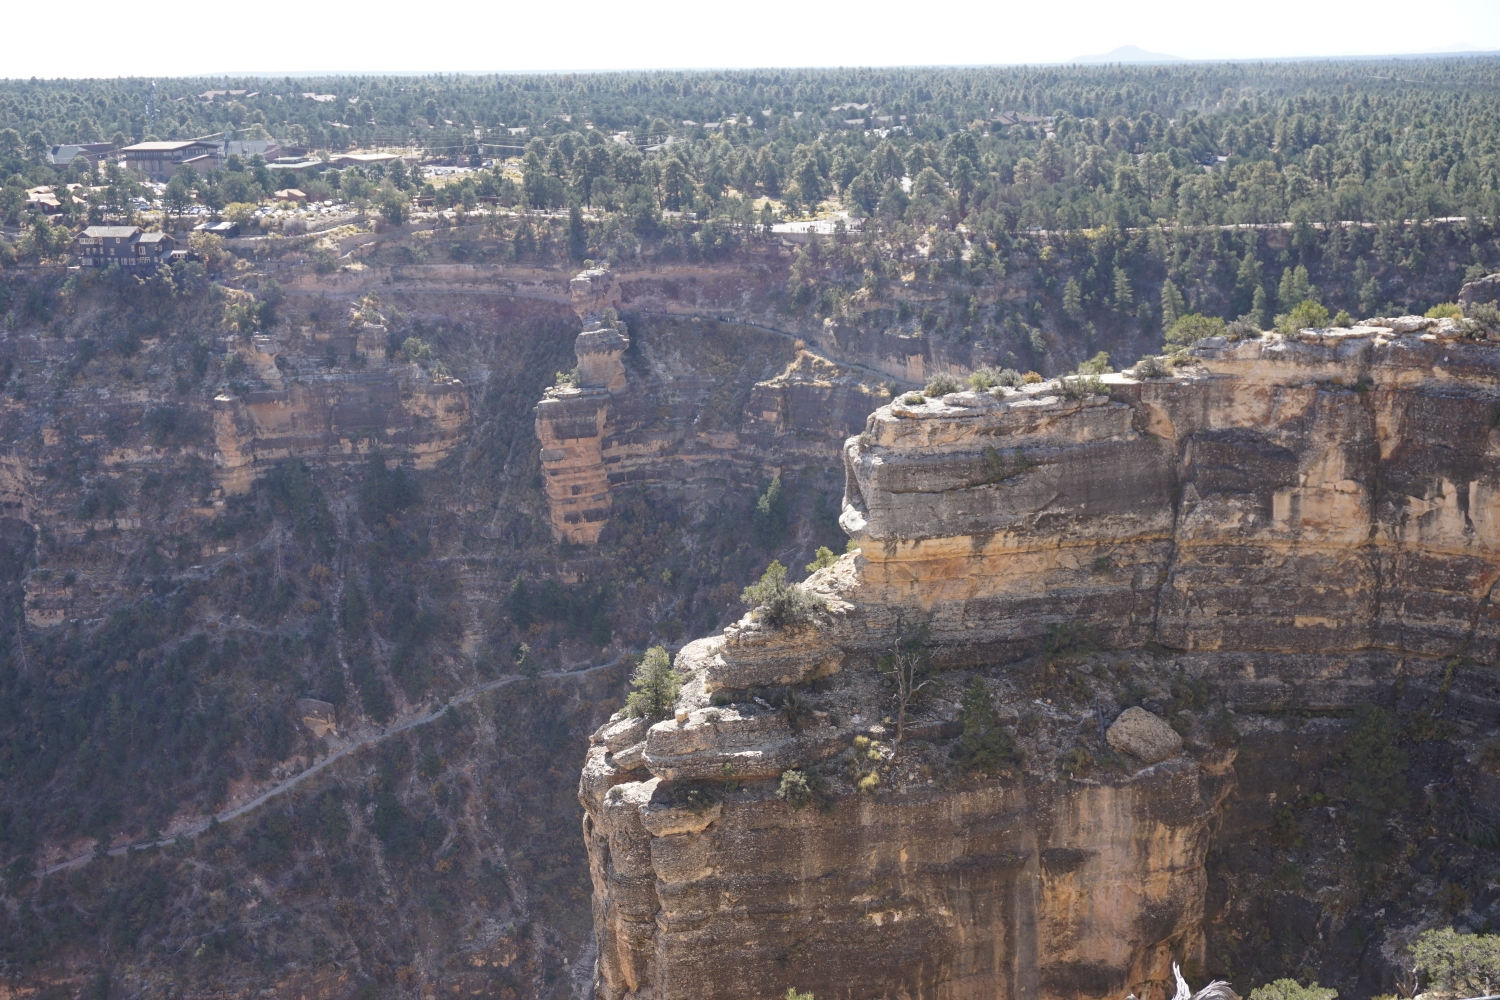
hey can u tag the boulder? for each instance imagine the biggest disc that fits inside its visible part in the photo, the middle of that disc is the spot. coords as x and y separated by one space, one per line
1486 289
1141 734
319 717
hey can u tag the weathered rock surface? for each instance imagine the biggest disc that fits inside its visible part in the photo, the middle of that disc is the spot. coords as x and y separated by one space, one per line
1141 734
1057 889
345 417
1324 493
1310 519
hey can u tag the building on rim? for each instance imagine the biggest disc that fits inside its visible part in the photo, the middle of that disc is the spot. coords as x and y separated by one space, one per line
159 160
127 246
90 152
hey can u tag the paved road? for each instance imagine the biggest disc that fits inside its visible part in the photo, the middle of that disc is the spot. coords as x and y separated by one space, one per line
292 782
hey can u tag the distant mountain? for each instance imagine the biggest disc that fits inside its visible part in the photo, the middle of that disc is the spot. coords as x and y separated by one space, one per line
1128 54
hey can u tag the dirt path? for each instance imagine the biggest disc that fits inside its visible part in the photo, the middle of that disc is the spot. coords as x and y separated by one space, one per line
288 784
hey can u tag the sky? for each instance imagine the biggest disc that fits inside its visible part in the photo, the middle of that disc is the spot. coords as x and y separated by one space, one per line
191 37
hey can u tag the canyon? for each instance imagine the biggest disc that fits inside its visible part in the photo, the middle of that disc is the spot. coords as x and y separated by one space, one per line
329 547
208 529
1300 523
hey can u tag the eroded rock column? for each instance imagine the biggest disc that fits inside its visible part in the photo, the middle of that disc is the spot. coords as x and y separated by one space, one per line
572 420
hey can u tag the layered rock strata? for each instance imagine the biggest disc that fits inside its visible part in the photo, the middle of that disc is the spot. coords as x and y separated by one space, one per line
1009 890
341 417
1311 521
1323 493
572 421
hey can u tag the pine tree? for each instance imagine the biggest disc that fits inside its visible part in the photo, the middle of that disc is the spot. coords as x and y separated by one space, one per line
1246 281
1072 300
655 686
578 237
1172 305
1260 309
1295 288
768 523
1124 294
1366 287
984 745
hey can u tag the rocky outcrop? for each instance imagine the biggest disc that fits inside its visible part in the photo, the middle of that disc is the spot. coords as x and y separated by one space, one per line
1324 493
571 424
1143 736
572 421
1030 888
338 418
1309 521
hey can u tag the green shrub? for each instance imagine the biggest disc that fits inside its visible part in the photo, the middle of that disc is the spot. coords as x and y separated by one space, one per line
1081 386
1286 831
1221 729
1192 328
1150 366
1459 964
1446 310
1290 989
1306 314
794 790
984 746
1489 757
780 604
1097 365
1242 328
655 686
822 559
1376 769
1077 762
1485 316
1376 765
991 378
998 467
941 384
913 399
1068 640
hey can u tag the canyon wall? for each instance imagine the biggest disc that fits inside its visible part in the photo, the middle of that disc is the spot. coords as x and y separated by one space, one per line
748 289
1303 522
670 419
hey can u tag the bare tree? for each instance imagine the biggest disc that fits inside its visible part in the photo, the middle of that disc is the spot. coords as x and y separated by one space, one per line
909 667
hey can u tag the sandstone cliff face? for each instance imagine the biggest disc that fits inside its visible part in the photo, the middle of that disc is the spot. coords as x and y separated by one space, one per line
341 418
1325 493
1053 889
1310 521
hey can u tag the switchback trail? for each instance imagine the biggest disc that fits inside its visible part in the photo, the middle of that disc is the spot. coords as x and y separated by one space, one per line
289 783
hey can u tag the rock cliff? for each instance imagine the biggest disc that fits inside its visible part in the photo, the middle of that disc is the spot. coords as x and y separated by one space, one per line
1303 522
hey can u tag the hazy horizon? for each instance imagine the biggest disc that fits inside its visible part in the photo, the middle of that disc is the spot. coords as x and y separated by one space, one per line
674 34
